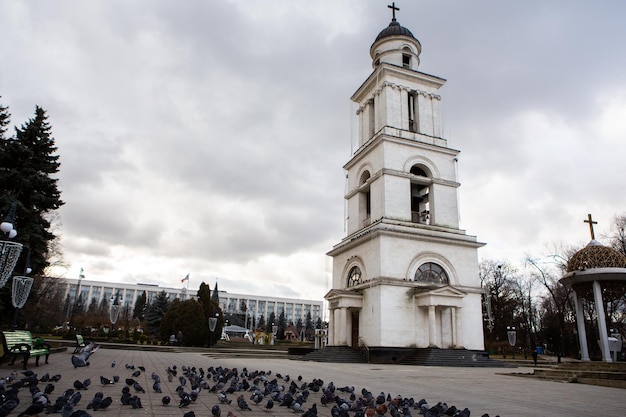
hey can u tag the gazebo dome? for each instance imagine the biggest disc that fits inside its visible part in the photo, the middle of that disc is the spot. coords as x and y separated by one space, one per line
596 255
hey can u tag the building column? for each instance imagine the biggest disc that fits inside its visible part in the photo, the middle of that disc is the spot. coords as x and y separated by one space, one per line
342 339
580 323
432 327
604 337
458 314
453 326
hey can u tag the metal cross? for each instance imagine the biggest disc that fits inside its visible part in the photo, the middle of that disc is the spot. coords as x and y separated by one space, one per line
393 10
591 223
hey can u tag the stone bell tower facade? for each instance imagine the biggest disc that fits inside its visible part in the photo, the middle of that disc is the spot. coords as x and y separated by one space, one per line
406 275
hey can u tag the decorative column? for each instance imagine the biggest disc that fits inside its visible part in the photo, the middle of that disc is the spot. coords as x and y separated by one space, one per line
604 337
458 314
453 326
432 327
580 323
342 340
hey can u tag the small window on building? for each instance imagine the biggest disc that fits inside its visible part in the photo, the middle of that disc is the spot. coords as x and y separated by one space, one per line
412 110
406 60
354 277
431 273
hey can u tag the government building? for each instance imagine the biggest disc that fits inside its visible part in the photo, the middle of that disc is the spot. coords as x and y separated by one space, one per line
230 303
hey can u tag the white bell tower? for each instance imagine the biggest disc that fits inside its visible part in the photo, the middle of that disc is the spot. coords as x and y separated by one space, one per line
405 275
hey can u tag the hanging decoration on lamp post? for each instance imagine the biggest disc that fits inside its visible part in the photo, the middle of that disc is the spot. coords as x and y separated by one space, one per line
21 289
9 251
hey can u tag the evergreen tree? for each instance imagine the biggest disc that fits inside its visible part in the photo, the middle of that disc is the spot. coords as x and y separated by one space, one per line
215 296
188 317
309 330
281 326
271 321
28 165
155 313
140 306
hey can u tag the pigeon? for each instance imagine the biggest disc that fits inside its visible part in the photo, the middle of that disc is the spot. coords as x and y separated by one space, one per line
157 387
105 381
216 411
242 404
113 364
142 369
105 403
135 402
116 378
269 405
67 410
136 374
78 385
189 414
80 360
138 387
165 400
32 410
185 400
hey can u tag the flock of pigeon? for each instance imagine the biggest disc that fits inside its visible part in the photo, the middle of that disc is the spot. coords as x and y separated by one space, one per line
250 390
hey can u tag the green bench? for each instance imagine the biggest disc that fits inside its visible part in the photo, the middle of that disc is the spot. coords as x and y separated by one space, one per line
20 343
80 343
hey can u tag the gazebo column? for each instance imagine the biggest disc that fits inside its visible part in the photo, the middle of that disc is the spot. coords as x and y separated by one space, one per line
604 337
580 323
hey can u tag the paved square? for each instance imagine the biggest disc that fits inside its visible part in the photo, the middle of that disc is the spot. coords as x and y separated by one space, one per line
482 390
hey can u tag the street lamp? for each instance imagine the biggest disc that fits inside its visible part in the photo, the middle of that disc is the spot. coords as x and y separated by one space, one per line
9 251
80 277
274 331
212 324
114 313
512 335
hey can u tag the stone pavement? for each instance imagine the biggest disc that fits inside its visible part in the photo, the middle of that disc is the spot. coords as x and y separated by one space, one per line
482 390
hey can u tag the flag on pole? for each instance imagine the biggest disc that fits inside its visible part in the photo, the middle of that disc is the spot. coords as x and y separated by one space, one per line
185 279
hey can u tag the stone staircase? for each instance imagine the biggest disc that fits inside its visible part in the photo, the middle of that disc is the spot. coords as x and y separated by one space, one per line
337 354
452 357
592 373
415 357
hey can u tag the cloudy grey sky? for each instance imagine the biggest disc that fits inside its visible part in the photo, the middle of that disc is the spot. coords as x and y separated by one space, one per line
208 137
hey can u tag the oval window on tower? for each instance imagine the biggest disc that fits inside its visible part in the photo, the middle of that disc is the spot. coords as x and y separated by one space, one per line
431 273
354 277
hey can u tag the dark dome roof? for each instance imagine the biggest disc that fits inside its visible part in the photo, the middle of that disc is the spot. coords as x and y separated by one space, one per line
595 255
394 29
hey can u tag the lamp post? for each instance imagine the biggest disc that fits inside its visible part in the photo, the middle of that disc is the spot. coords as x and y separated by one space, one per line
274 331
80 277
512 336
114 313
9 251
212 324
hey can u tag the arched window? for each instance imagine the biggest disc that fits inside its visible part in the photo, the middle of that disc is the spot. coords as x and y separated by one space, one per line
431 273
354 277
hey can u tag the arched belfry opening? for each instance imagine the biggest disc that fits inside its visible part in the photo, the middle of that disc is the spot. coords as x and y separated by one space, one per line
365 199
420 194
415 284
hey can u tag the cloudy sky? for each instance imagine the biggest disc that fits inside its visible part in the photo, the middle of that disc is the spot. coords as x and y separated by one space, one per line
208 137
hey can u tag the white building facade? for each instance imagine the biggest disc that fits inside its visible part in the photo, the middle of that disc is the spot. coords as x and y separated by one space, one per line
406 275
230 303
